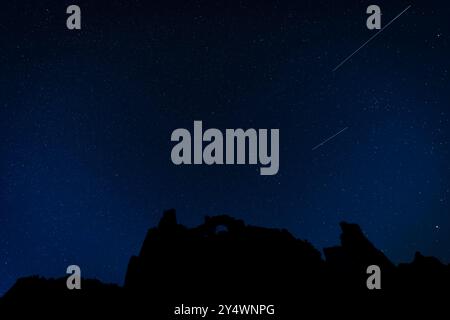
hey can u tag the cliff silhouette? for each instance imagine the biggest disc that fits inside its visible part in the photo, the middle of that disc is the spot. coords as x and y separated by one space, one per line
225 261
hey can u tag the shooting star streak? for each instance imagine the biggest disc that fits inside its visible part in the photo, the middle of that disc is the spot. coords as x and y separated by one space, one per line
370 39
326 140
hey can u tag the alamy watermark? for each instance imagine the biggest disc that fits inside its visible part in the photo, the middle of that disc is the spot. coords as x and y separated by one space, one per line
236 146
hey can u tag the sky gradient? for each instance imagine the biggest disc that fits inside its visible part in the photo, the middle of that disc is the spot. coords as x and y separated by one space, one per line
86 118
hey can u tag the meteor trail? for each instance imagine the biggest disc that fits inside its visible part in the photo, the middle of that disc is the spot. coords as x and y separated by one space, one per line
325 141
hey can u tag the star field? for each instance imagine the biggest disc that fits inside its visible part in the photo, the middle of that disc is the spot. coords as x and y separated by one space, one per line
86 118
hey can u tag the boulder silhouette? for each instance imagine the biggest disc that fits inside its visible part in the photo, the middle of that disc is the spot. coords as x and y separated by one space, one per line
219 256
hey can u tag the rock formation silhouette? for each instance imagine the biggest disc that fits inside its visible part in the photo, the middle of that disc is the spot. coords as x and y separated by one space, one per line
225 261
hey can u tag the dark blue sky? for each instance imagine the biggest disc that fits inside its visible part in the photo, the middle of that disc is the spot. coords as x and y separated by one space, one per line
86 118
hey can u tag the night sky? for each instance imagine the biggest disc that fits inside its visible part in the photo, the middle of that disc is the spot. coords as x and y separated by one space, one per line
86 118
